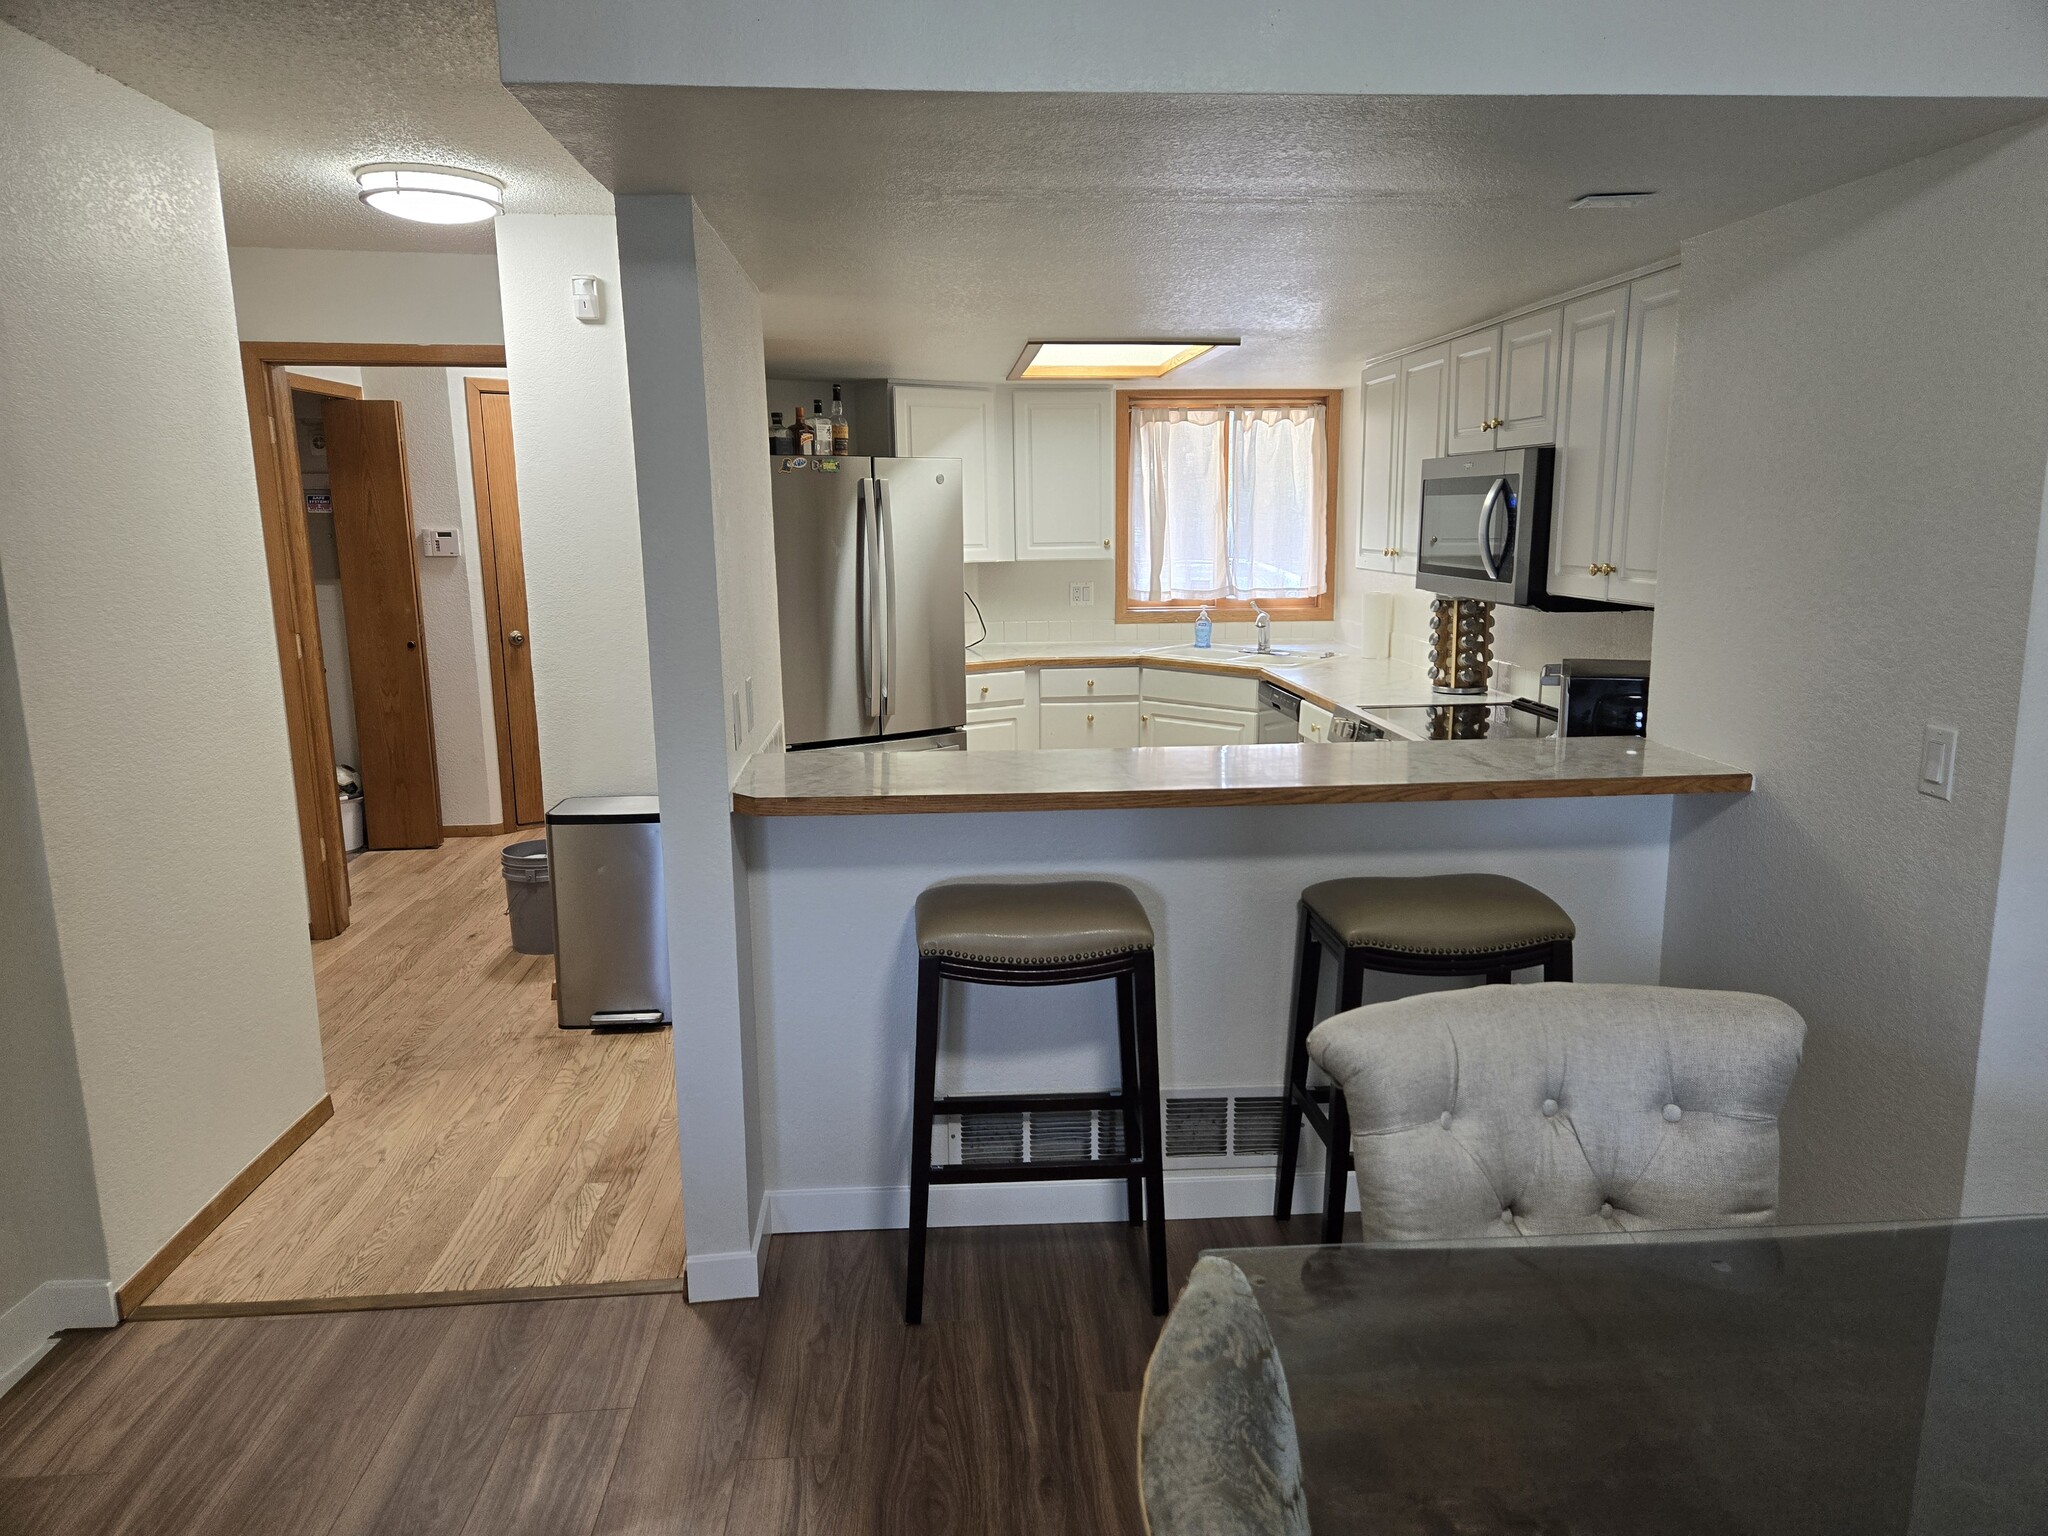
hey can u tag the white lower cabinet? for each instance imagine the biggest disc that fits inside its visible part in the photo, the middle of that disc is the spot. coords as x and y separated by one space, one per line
1315 722
1192 725
1089 723
999 730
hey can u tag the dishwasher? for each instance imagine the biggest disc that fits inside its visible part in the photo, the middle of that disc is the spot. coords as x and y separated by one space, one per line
1280 719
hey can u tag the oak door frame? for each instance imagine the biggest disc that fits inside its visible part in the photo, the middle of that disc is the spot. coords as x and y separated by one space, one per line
266 382
487 570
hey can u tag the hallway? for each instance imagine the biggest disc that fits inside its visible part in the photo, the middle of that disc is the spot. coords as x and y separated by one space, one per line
474 1146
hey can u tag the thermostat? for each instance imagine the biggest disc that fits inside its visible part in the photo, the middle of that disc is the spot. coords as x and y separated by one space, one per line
443 542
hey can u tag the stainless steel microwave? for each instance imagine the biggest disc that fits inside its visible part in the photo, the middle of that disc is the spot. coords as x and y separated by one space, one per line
1486 528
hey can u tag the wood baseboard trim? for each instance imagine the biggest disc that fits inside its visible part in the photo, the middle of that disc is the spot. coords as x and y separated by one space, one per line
220 1207
654 1287
481 829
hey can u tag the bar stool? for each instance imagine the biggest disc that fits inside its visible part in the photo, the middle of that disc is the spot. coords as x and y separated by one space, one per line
1429 925
1038 935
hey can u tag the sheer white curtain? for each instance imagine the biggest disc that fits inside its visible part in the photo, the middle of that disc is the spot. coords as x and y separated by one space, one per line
1227 503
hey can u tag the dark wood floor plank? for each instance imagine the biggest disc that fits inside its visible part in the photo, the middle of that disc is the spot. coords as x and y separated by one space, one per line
549 1475
48 1506
431 1464
593 1354
674 1470
832 1287
137 1377
779 1497
1116 1425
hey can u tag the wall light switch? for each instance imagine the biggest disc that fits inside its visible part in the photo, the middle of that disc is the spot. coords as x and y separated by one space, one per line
1938 762
1081 594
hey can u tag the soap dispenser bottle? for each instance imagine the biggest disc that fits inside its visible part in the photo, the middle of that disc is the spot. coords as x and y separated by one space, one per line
1202 630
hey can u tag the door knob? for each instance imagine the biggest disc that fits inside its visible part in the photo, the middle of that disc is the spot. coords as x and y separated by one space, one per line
518 639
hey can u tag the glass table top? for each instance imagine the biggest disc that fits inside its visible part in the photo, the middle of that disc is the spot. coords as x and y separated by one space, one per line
1783 1380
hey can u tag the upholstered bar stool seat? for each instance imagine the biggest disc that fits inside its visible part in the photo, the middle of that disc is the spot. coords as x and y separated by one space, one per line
1015 924
1042 934
1487 926
1439 914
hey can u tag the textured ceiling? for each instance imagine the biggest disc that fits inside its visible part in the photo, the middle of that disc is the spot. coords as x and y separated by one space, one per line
297 93
921 235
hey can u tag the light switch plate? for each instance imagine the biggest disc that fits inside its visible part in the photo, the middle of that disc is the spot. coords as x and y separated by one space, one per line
1080 594
1938 762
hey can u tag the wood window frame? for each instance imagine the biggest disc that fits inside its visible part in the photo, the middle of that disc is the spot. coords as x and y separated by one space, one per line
1179 611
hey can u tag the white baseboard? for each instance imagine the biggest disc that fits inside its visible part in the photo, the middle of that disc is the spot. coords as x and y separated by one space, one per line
1190 1194
26 1328
734 1276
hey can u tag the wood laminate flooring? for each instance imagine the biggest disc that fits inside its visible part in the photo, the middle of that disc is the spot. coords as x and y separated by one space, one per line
811 1412
474 1146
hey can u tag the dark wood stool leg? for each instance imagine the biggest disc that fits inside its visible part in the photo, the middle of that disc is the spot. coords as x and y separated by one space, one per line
1499 978
1308 967
1337 1150
1127 1057
1559 966
1147 1012
924 1082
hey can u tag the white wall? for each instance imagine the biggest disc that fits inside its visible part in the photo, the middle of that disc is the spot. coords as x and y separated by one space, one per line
835 974
143 640
579 508
451 588
363 296
2007 1170
52 1251
1859 437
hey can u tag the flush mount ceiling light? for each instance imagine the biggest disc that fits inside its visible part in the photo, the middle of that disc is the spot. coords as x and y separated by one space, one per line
1109 359
1611 200
431 194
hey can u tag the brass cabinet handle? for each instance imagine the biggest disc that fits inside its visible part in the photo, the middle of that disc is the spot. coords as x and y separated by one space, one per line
1144 719
1105 543
984 690
1091 689
1091 719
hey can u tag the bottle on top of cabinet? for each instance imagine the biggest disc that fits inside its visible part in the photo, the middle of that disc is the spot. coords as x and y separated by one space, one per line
806 439
842 431
821 430
781 440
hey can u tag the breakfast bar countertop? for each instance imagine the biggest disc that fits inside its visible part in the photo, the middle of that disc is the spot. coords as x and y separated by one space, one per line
1307 773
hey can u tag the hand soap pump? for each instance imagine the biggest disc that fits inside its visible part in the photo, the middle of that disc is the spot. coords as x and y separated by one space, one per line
1202 630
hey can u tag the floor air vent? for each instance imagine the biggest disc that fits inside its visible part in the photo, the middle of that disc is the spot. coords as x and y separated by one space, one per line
1198 1127
1215 1126
1255 1125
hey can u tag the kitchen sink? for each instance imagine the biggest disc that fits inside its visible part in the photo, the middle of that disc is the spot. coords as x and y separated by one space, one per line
1293 652
1241 655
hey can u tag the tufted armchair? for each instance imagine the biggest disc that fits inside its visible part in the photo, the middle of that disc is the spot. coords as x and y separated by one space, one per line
1555 1108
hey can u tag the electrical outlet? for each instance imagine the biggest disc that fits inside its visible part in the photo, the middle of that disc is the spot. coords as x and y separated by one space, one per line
1081 594
1938 762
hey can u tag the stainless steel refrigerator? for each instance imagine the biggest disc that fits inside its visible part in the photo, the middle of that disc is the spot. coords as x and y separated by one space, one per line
868 566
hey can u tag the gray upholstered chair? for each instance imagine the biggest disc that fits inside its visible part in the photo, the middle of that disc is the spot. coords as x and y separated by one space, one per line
1551 1109
1217 1452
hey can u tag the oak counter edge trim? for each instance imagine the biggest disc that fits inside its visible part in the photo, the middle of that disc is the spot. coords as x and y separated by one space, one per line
1222 796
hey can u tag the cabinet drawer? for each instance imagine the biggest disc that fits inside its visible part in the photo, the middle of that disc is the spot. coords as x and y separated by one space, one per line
1315 722
994 688
1088 724
1088 683
1170 684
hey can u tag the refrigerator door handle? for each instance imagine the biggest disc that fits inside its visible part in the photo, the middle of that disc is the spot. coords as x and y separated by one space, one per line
885 642
863 617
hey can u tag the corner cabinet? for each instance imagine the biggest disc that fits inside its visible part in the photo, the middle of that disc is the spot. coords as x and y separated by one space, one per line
958 421
1063 449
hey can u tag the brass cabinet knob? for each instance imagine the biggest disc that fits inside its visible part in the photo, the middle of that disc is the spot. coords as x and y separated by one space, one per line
1144 719
984 690
1091 689
1105 543
1592 570
1091 719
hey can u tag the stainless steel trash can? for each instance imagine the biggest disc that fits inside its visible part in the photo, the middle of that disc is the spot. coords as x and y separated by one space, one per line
611 940
528 901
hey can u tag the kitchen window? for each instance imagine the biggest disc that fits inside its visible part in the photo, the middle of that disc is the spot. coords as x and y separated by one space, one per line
1226 500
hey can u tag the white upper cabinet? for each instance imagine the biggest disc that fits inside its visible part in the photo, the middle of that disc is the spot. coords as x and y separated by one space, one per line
958 421
1063 452
1419 436
1652 359
1588 432
1474 391
1380 402
1527 408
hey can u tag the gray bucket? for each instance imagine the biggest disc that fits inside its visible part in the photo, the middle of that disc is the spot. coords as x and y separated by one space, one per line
529 897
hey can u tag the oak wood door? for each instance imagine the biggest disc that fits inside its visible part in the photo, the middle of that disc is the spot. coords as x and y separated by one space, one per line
380 599
503 569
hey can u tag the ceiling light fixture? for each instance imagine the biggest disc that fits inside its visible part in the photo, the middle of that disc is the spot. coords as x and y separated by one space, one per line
431 194
1611 200
1109 359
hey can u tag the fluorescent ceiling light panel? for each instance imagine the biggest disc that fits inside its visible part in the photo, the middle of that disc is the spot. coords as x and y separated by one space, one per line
1109 359
1611 200
431 194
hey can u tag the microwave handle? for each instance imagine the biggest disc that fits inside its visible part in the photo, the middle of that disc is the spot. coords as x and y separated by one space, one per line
1487 508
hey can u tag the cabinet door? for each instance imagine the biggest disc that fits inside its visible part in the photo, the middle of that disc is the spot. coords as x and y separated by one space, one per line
1380 398
1065 510
1474 391
1528 380
958 422
1196 725
1646 377
1084 723
1588 433
1420 435
1314 722
997 730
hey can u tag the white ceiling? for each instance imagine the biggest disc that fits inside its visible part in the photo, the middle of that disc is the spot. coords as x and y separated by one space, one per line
921 235
298 93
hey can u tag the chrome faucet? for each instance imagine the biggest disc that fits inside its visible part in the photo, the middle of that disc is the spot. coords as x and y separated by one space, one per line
1264 625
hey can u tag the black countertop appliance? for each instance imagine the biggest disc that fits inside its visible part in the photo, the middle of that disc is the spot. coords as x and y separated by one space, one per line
1601 698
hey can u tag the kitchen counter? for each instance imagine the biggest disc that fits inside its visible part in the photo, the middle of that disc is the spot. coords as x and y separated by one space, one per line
1337 773
1344 681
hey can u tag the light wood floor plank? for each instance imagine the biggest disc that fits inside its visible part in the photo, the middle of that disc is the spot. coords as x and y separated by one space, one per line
474 1146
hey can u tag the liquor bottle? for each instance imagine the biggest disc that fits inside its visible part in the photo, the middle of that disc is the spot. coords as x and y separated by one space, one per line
842 433
781 440
821 428
805 442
